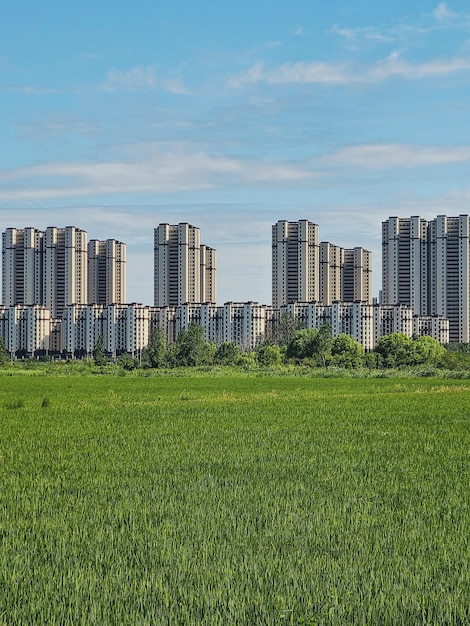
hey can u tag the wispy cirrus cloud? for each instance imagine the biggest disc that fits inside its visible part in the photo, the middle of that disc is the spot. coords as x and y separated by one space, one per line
443 12
144 78
317 72
160 171
368 33
442 17
31 89
394 155
135 79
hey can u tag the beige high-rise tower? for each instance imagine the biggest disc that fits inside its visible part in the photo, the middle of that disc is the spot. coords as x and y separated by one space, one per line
449 265
305 270
65 268
46 268
426 265
184 270
356 275
295 262
106 272
22 266
405 262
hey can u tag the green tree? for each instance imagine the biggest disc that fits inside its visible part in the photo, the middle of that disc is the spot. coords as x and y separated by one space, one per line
284 330
311 343
247 360
99 355
127 361
347 351
4 357
227 353
322 343
155 353
428 350
269 355
302 344
191 348
395 350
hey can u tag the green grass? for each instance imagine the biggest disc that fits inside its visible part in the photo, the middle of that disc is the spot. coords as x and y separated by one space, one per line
234 500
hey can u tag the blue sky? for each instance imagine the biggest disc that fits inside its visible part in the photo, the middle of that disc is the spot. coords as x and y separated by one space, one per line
117 116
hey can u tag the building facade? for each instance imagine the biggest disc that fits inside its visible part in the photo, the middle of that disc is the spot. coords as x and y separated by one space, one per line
449 284
126 328
65 268
304 270
345 274
426 266
26 329
22 266
184 270
45 268
106 272
295 262
56 268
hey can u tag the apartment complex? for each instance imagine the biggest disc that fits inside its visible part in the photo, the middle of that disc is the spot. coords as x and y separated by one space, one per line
126 328
56 268
184 269
307 270
426 265
61 294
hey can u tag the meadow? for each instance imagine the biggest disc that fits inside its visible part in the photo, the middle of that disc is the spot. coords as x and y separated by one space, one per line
247 499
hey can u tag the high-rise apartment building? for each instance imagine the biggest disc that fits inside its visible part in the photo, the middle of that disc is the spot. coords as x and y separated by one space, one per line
208 270
65 268
426 265
331 262
106 272
305 270
184 270
405 261
295 262
45 268
356 275
345 274
22 266
449 273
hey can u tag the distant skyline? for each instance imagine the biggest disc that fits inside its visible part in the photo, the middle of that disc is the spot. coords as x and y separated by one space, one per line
231 116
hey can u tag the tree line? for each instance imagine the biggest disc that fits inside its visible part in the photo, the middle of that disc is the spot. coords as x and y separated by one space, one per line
291 344
288 343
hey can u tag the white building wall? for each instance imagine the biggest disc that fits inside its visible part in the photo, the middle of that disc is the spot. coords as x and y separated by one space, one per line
295 262
22 266
184 270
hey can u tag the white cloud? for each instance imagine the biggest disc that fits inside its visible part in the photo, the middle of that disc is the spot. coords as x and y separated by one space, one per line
144 78
160 170
254 74
136 79
316 72
356 34
301 72
395 66
440 18
30 89
391 155
442 12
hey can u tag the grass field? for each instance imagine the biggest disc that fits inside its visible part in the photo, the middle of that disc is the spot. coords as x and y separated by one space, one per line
234 500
